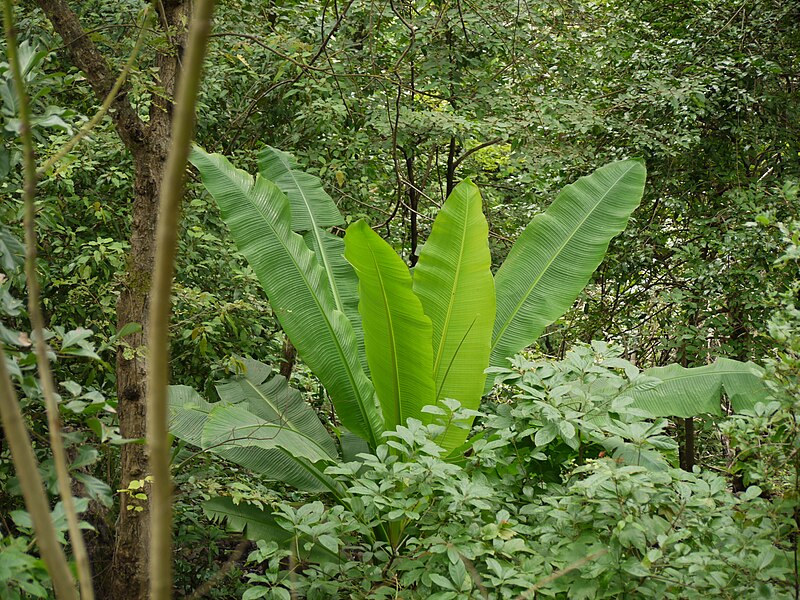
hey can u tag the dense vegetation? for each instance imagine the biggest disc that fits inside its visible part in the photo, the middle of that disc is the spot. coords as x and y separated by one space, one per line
336 305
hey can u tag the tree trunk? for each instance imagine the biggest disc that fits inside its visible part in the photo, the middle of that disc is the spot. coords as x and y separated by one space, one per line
451 168
413 207
289 357
131 548
148 144
686 450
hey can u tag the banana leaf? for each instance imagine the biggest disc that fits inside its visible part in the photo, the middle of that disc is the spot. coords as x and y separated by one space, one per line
345 284
259 524
312 207
274 450
453 280
397 334
269 397
689 392
259 218
557 253
313 210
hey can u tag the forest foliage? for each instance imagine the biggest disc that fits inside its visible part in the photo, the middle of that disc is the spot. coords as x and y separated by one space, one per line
436 188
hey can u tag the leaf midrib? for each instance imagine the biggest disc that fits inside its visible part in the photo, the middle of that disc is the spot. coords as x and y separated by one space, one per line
246 193
552 259
392 338
450 305
316 230
706 374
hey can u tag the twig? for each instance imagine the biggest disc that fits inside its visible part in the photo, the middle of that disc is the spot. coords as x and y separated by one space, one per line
32 487
201 591
461 158
109 100
160 309
560 573
35 312
243 118
308 66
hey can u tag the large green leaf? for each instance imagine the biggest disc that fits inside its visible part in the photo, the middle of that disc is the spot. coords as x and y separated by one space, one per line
312 207
233 427
688 392
188 412
259 218
12 252
259 524
272 450
397 334
255 522
557 253
453 280
269 397
345 283
313 210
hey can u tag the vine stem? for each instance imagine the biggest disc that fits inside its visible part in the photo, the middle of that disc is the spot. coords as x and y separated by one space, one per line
160 307
107 102
35 313
32 487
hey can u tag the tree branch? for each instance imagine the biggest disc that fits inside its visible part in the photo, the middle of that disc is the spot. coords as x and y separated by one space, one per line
107 103
239 123
84 54
466 154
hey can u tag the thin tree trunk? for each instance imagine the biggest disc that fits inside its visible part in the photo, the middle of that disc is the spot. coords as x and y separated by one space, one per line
172 188
451 167
738 334
413 205
289 357
687 447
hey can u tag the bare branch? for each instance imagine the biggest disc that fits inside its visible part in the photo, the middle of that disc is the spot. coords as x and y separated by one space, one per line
244 118
561 572
471 151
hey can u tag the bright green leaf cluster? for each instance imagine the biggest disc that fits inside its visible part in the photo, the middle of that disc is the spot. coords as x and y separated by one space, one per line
430 335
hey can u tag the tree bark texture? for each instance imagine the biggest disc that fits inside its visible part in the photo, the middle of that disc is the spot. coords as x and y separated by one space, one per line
289 357
148 143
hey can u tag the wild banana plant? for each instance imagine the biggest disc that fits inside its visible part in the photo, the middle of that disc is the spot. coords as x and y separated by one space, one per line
386 342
